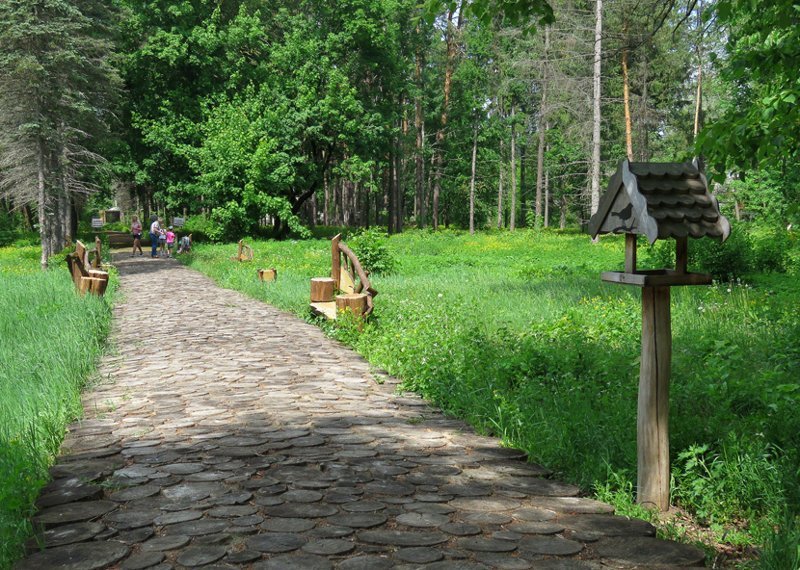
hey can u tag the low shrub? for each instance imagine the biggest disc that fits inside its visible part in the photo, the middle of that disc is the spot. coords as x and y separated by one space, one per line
371 249
750 248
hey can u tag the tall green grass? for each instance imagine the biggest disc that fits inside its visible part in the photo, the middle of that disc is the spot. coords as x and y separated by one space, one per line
517 334
50 339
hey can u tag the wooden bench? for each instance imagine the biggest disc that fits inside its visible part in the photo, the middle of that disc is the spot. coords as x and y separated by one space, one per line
124 239
84 266
348 287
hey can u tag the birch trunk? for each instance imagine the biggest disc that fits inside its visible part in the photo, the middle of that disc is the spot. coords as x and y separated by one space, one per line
472 182
542 128
512 223
42 199
500 190
546 199
326 201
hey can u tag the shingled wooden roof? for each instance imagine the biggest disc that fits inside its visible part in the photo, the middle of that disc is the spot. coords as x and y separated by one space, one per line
660 200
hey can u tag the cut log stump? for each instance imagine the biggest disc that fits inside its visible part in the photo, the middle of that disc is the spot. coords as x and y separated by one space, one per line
353 302
321 289
267 274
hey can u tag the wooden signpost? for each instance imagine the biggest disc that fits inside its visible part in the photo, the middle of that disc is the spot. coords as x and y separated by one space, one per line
658 200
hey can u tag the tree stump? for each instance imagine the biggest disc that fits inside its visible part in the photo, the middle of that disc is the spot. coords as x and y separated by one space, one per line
321 290
267 274
353 302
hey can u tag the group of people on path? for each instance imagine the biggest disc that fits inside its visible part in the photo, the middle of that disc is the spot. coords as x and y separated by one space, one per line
162 241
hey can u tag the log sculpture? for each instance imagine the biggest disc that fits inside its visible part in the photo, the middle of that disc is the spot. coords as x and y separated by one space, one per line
244 253
267 274
347 278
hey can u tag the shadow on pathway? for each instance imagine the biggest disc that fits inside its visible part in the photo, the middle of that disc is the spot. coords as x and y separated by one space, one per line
228 434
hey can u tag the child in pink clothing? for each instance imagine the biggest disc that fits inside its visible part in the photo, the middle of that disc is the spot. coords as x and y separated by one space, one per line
170 241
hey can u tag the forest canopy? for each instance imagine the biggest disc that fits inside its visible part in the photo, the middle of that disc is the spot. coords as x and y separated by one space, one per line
477 114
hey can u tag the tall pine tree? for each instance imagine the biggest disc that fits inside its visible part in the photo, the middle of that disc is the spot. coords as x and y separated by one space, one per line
56 93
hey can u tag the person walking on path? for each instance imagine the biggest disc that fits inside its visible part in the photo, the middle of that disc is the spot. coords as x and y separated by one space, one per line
136 231
162 239
155 232
170 241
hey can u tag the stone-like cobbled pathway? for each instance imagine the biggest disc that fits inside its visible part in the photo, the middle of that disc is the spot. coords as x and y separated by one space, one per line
227 434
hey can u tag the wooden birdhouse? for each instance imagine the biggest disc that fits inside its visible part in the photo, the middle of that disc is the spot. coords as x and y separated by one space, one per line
659 201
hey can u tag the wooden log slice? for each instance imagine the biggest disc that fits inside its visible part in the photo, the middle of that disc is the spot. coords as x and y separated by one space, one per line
98 286
354 302
84 285
321 289
267 274
75 269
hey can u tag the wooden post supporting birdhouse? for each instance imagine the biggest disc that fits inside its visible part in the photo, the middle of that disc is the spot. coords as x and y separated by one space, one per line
658 200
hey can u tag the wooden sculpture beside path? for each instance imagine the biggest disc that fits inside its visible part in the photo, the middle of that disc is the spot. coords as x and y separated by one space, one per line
270 274
660 201
347 289
244 253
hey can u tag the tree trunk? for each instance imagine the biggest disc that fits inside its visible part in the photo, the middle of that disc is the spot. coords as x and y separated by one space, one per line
419 157
512 223
399 174
326 208
563 219
546 199
598 52
626 98
27 217
500 190
472 181
42 199
313 209
451 40
542 123
390 192
644 120
698 103
523 184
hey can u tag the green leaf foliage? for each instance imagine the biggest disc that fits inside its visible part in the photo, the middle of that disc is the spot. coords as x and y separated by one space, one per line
760 121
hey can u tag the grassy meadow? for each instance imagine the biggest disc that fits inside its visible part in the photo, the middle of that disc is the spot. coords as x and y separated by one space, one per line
517 334
50 339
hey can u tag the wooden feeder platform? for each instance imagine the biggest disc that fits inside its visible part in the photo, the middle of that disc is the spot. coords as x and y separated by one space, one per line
658 201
